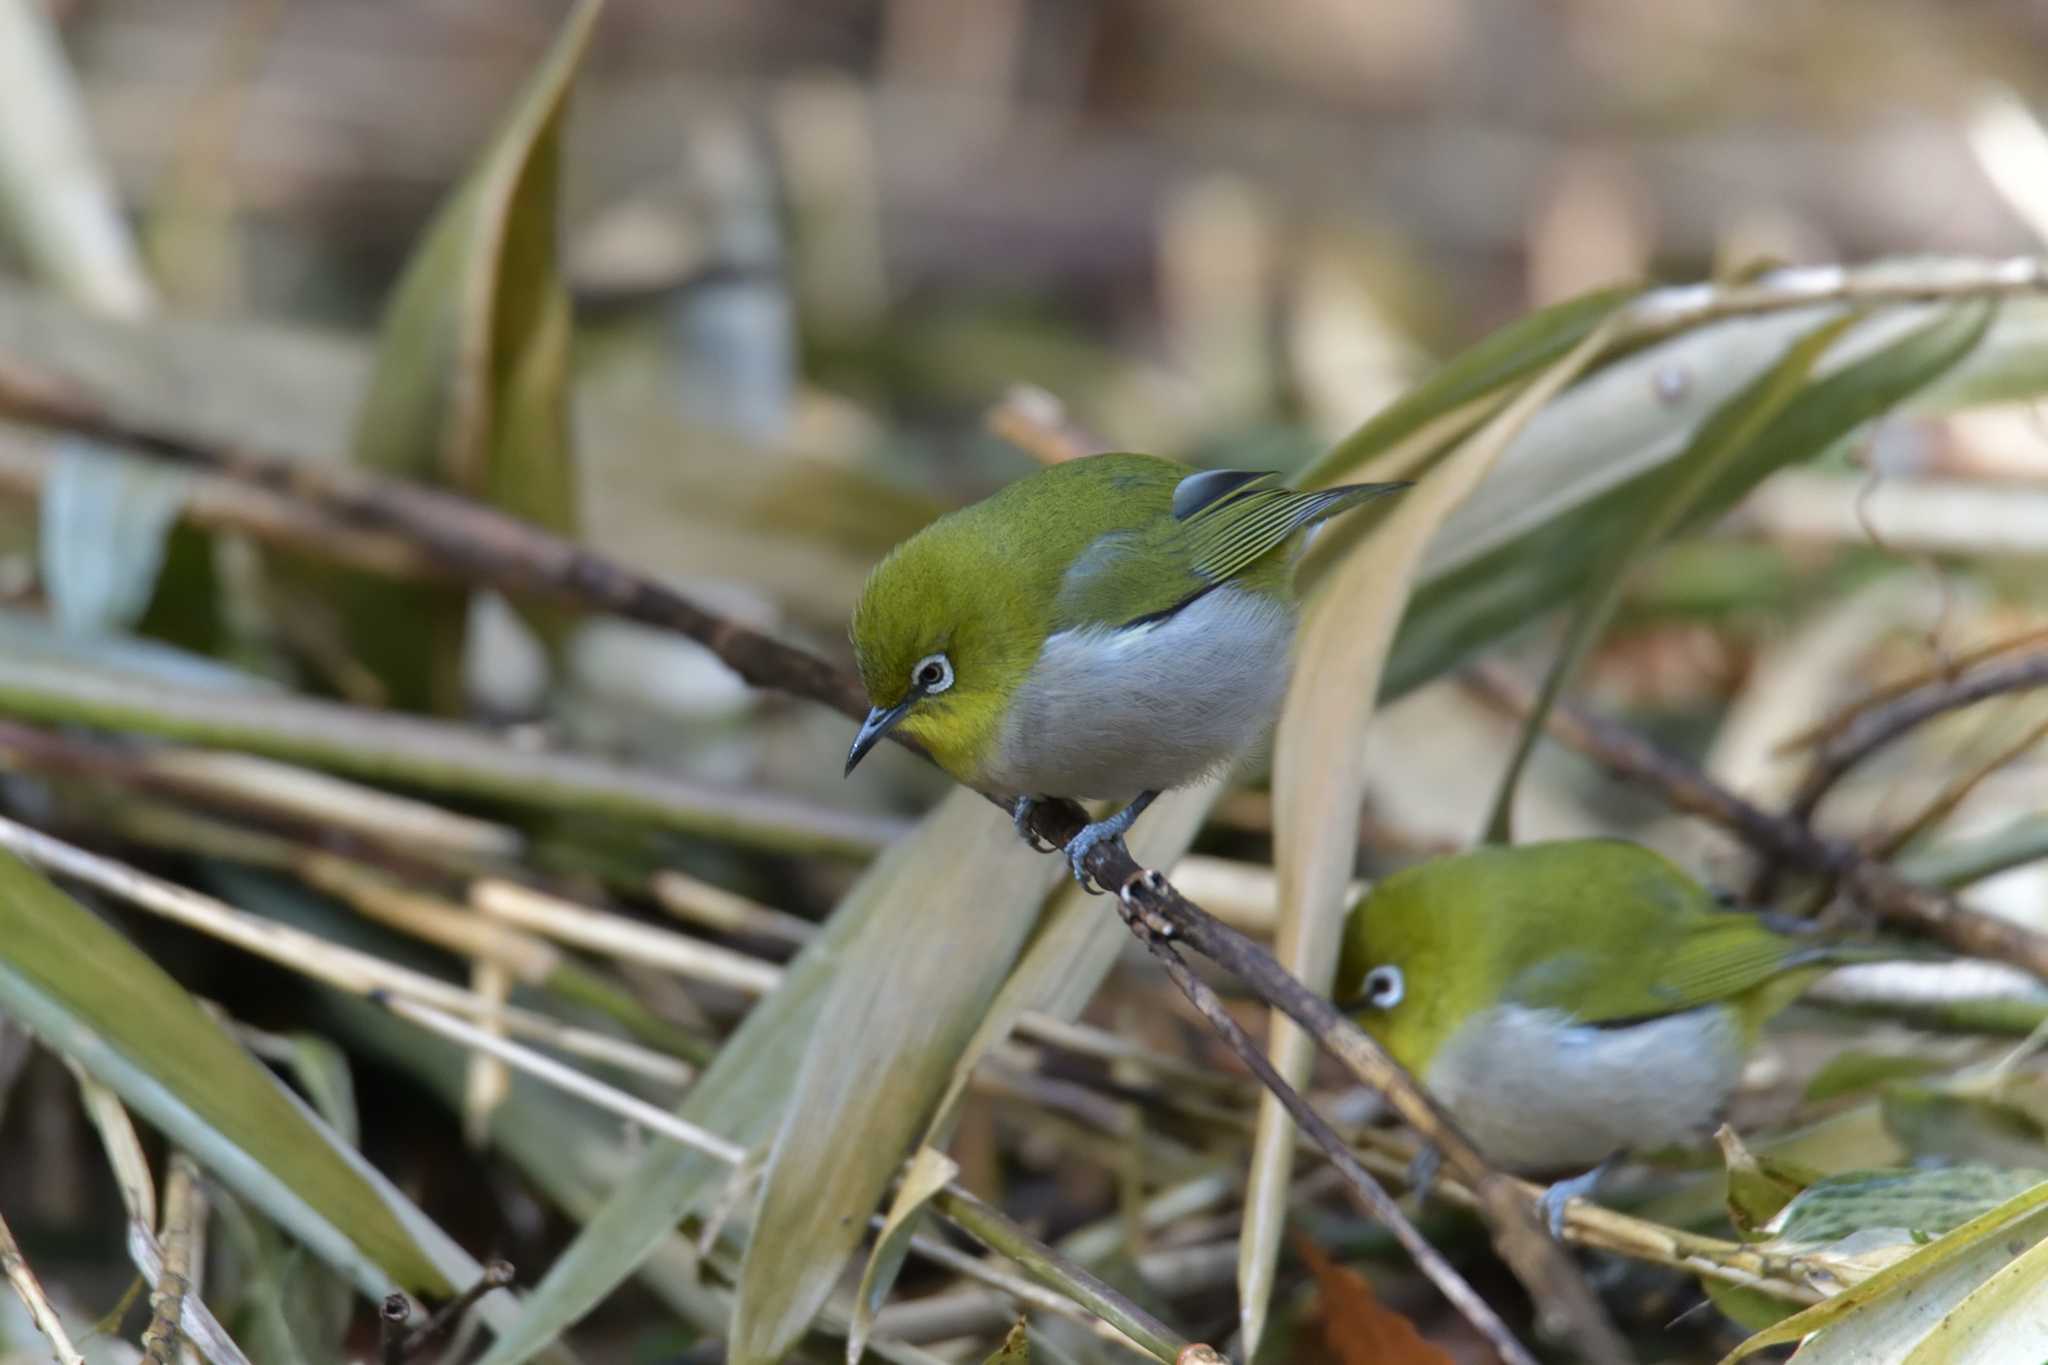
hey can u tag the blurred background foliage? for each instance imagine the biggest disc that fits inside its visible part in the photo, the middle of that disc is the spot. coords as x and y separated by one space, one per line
741 294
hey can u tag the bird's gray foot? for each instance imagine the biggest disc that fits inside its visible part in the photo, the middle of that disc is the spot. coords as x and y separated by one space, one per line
1112 827
1422 1171
1552 1201
1020 816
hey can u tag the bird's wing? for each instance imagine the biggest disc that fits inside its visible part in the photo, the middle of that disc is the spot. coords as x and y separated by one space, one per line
1684 963
1219 525
1241 523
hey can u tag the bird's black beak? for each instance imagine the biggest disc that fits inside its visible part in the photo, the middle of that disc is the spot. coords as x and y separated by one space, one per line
880 722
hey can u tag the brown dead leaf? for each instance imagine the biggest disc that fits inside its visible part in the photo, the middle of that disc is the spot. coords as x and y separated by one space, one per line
1357 1327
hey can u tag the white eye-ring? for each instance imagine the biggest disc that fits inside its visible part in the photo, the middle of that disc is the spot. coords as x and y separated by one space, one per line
933 674
1383 987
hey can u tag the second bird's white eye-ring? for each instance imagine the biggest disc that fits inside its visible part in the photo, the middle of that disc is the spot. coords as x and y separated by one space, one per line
1383 987
933 674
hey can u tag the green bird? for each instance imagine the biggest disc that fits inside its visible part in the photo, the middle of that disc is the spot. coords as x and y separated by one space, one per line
1109 627
1570 1001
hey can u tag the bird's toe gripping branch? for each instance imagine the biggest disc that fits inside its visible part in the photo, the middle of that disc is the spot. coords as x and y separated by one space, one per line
1110 828
1020 816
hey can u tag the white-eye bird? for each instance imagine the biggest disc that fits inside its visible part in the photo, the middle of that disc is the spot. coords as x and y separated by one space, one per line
1570 1001
1108 628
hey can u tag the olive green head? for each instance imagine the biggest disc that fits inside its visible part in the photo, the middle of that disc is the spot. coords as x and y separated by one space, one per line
948 625
1604 930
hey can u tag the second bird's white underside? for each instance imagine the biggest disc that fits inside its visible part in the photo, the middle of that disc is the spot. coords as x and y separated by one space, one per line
1109 712
1539 1092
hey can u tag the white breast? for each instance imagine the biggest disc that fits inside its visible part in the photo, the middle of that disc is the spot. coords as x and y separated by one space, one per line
1110 713
1538 1092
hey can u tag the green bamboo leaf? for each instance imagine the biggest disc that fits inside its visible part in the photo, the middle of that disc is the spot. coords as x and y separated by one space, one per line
958 873
1065 961
90 994
1877 1319
928 1172
1673 491
906 1001
1497 361
1485 596
1319 779
471 378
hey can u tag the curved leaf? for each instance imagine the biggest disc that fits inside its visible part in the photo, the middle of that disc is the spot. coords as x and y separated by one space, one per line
1495 579
92 995
1073 949
962 896
935 885
1901 1303
1319 776
471 378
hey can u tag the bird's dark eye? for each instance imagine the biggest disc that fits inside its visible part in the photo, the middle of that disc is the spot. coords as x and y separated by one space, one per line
933 674
1383 987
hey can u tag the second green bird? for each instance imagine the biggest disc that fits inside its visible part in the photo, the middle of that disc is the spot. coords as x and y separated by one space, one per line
1570 1001
1110 627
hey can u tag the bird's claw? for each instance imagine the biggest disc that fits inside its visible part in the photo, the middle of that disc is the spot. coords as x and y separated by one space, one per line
1020 817
1423 1169
1551 1203
1081 845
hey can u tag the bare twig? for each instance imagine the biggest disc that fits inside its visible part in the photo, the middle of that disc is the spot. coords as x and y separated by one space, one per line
1872 884
393 1316
496 1275
40 1309
468 539
183 1224
1359 1182
1878 726
1957 790
1945 669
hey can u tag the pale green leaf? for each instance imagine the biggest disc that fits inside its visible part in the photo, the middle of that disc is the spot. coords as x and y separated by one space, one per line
92 995
1669 496
1319 777
103 523
1901 1303
928 1172
1073 948
931 882
470 385
963 895
1557 512
2001 1320
1495 363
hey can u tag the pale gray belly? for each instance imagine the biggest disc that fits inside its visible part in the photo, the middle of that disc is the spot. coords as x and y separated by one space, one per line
1540 1093
1111 713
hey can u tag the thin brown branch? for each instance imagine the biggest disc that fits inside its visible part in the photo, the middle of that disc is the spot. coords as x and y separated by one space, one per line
491 549
1957 790
1947 668
184 1216
44 1314
1870 883
1157 910
467 539
1878 726
1367 1192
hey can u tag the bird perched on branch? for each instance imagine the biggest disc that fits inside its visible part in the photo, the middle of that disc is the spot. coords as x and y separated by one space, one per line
1109 628
1570 1001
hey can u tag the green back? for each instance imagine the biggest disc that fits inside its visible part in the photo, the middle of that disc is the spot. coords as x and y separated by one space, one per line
1603 929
